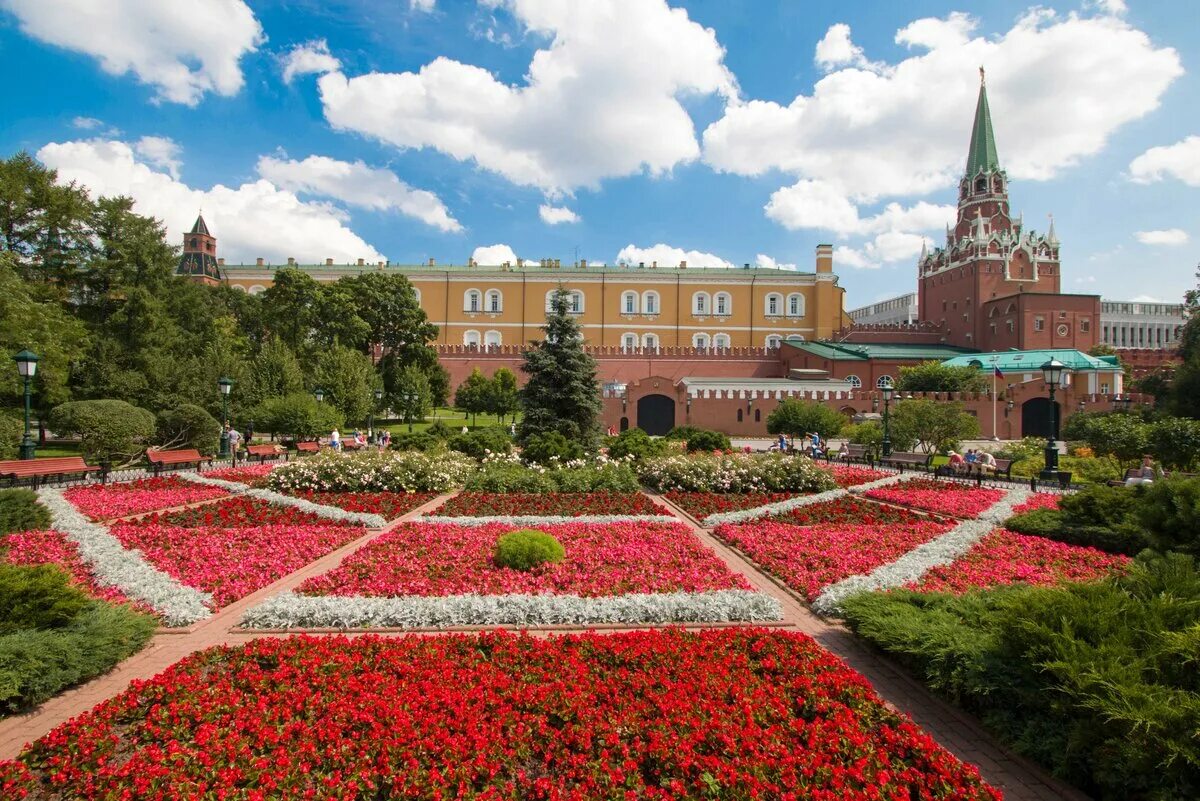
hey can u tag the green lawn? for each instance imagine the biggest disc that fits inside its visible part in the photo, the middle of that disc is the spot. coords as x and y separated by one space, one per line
64 449
451 417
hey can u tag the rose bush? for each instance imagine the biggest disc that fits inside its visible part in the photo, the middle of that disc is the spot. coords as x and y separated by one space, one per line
106 501
507 716
946 497
569 504
763 472
376 471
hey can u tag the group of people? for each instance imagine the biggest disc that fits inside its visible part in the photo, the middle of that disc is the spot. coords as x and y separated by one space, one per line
359 440
973 460
810 444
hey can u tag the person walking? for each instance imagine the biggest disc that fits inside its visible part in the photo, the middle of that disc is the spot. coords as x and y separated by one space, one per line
335 440
385 439
235 440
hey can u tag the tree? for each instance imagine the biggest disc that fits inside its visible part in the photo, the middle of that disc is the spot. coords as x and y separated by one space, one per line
188 426
348 378
274 373
504 397
562 393
473 395
1185 387
393 318
290 307
110 431
1103 349
934 426
411 395
935 376
1120 434
298 417
799 417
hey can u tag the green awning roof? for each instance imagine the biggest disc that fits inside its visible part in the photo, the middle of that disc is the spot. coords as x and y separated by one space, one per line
1029 361
853 351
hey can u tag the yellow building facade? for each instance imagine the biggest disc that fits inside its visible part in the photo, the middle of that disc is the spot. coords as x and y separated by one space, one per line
646 306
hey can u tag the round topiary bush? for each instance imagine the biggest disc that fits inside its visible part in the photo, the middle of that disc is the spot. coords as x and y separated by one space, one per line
527 549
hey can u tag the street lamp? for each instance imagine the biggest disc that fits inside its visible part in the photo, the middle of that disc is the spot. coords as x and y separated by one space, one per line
371 417
225 384
887 388
27 363
1052 373
319 394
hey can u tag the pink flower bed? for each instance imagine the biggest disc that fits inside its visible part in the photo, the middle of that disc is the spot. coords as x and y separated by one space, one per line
255 474
945 497
850 475
1005 557
1038 500
809 558
52 547
438 559
106 501
232 562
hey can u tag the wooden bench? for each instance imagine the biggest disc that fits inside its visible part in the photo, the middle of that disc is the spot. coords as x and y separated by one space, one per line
308 447
976 470
902 460
160 459
1133 472
266 451
37 469
852 453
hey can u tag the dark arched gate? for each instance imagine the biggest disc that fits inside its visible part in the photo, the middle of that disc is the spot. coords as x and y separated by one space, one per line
656 414
1035 417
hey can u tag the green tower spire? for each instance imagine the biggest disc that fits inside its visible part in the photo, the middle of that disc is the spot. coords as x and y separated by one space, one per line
982 155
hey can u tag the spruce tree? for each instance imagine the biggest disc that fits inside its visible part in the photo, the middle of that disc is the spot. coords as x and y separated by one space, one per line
562 393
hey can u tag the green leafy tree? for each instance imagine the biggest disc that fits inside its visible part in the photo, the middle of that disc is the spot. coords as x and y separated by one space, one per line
934 426
439 381
274 373
290 307
473 395
297 417
188 426
348 378
1185 386
1123 435
796 418
504 397
562 393
336 319
1103 349
410 398
935 376
110 431
393 318
1175 441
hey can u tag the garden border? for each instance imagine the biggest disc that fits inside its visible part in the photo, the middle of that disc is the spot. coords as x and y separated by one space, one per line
368 519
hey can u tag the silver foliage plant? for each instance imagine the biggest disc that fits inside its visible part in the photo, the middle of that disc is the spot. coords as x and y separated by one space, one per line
916 563
547 520
278 499
114 565
742 515
288 610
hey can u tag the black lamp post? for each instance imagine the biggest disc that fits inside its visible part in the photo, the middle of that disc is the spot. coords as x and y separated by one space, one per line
887 388
1052 373
371 417
225 385
27 363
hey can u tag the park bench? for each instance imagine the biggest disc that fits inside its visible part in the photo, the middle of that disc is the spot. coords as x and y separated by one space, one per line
266 451
852 453
308 447
902 460
186 456
1133 472
37 469
975 470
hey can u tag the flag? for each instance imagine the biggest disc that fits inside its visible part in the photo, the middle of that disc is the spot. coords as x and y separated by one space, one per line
996 372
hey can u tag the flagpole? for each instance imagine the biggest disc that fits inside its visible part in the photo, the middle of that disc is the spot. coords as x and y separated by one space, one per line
995 434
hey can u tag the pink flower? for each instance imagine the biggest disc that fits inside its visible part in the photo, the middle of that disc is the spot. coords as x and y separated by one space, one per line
106 501
946 497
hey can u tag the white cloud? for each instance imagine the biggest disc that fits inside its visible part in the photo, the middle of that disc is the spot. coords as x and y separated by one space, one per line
425 6
813 204
1169 236
493 255
850 257
601 98
1146 299
251 220
763 260
1114 7
837 50
1180 160
553 215
307 59
182 49
87 123
160 151
357 184
667 256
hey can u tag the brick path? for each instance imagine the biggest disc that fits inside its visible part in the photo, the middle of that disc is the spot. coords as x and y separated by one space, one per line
1019 779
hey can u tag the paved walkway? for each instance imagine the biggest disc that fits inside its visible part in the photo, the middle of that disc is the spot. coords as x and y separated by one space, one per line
1019 779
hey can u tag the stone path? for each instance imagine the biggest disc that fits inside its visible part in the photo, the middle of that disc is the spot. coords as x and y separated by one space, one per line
1019 779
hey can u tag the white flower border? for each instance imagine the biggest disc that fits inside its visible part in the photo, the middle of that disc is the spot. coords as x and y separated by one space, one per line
742 515
916 563
367 519
114 565
545 520
289 610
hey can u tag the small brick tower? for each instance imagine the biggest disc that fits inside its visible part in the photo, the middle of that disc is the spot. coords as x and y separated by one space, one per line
199 259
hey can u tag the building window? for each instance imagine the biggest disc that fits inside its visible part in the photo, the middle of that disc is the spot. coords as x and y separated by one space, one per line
650 341
257 289
795 305
884 379
758 415
417 295
1011 327
576 302
629 342
774 302
854 381
629 302
649 303
471 339
700 303
471 300
723 303
1062 315
700 341
1085 326
739 415
721 341
1039 323
492 339
774 341
495 301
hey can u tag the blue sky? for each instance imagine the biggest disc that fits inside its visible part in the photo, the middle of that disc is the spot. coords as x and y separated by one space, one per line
715 131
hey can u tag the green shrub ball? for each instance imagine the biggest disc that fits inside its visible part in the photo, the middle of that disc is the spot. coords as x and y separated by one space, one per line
527 550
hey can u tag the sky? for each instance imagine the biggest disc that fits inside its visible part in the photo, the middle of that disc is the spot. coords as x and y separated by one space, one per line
724 133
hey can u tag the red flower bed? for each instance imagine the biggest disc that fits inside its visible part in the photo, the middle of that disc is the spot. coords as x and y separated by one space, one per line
569 504
1038 500
52 547
437 559
848 511
850 475
702 504
233 561
106 501
238 512
255 475
947 497
809 558
388 504
736 713
1005 557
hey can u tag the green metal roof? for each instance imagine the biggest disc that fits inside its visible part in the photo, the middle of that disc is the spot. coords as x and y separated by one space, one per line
1026 361
853 351
566 269
982 156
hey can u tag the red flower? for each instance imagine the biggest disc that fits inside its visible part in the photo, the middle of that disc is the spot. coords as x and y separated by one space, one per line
567 504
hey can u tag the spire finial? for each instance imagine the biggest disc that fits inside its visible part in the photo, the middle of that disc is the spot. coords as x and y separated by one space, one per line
982 77
981 154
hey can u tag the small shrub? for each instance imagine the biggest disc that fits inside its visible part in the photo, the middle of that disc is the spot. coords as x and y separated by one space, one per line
481 442
110 430
37 597
527 549
773 472
1170 512
20 511
608 477
11 432
1175 441
374 471
1125 538
439 429
503 477
683 433
635 443
702 441
415 441
550 447
1028 448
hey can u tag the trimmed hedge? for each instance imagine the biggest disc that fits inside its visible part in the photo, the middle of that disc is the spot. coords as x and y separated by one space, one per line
20 511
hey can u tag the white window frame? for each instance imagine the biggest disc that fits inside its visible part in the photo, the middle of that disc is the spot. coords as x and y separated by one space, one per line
720 342
488 336
1039 323
417 294
651 302
795 299
629 342
701 303
701 341
470 335
577 299
722 304
650 342
879 382
494 301
629 303
774 341
473 301
772 305
854 381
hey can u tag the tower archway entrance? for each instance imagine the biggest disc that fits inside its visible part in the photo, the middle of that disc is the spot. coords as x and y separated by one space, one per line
656 414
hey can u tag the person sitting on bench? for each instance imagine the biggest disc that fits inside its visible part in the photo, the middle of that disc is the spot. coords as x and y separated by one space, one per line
957 463
986 462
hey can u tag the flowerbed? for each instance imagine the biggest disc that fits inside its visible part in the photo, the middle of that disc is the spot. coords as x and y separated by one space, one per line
849 511
440 559
772 472
1005 557
376 471
947 497
808 558
702 504
252 475
507 716
106 501
570 504
848 475
235 559
52 547
238 512
389 505
1038 500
